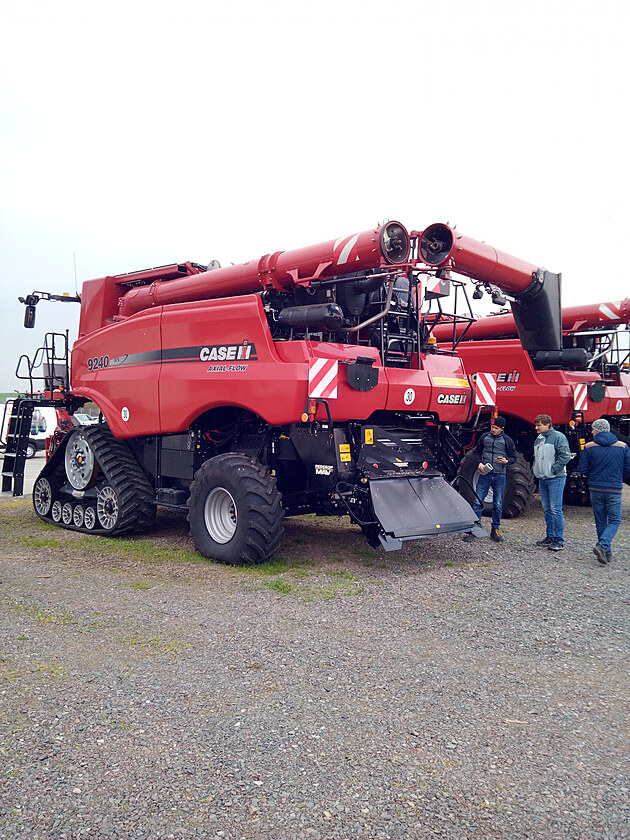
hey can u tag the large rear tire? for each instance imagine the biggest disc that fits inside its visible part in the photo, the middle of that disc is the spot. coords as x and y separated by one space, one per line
235 510
519 491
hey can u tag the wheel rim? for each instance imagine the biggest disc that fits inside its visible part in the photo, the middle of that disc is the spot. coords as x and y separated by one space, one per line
220 515
77 516
107 508
42 497
56 511
66 513
89 518
79 462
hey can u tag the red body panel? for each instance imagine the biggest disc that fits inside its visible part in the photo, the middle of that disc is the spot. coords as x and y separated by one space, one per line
524 392
158 370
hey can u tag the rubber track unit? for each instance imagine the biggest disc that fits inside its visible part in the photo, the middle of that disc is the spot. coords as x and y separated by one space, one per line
120 469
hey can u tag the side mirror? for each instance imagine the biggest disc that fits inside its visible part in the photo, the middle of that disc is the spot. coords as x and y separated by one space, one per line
29 317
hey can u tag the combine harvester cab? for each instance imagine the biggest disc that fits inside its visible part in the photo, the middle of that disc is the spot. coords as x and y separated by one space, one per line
302 382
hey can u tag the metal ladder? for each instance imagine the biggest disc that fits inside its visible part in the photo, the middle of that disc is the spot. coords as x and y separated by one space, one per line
18 435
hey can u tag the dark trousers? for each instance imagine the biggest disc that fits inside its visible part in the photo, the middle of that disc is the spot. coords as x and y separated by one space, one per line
607 512
496 481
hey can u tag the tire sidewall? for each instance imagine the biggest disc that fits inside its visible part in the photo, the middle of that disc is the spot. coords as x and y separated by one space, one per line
220 473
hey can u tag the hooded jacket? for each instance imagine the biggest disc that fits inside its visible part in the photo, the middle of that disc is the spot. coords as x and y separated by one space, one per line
551 454
606 462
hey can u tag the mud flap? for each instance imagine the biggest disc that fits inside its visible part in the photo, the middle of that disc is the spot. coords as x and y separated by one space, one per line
412 508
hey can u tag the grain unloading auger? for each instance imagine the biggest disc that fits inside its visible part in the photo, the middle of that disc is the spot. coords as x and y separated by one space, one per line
302 382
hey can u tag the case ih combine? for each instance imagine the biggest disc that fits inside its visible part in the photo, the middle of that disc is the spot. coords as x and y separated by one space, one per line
588 379
302 382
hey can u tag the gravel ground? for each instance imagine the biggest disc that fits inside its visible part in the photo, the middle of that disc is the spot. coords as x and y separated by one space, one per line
450 690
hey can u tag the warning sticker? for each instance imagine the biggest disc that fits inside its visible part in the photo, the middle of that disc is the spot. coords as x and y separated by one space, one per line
450 382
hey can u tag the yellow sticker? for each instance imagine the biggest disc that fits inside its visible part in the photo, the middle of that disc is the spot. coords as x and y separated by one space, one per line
345 456
344 447
450 382
369 435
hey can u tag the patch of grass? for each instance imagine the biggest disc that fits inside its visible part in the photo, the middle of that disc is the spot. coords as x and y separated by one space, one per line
141 585
53 669
155 645
41 614
277 566
43 542
279 585
142 549
345 575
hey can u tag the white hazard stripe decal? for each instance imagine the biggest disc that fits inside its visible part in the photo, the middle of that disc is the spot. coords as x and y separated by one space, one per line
322 378
607 312
486 389
343 256
580 401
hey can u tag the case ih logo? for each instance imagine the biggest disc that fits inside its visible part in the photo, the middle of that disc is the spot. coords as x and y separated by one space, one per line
451 399
228 352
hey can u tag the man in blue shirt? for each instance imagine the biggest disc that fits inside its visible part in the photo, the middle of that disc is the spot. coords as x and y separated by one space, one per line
496 451
606 463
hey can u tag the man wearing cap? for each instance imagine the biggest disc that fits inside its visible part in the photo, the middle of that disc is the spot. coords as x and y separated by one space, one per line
606 463
496 451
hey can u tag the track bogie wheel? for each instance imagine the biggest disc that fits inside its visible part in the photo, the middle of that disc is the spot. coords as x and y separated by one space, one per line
56 511
107 508
66 513
42 497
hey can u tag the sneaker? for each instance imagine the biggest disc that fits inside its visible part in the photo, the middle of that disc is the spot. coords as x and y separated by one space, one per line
608 556
469 537
600 553
556 545
495 535
546 541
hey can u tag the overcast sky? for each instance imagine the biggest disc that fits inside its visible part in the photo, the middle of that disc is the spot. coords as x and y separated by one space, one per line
135 134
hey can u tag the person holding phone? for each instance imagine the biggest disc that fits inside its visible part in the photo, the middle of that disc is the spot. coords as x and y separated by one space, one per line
496 451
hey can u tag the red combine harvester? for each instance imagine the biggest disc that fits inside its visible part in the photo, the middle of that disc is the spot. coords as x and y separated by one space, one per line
302 382
592 381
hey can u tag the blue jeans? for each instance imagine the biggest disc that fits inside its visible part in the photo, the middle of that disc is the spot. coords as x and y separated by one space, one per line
484 483
551 490
607 512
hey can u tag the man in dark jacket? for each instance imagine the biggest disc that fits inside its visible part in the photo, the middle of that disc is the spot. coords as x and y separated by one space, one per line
496 451
606 462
